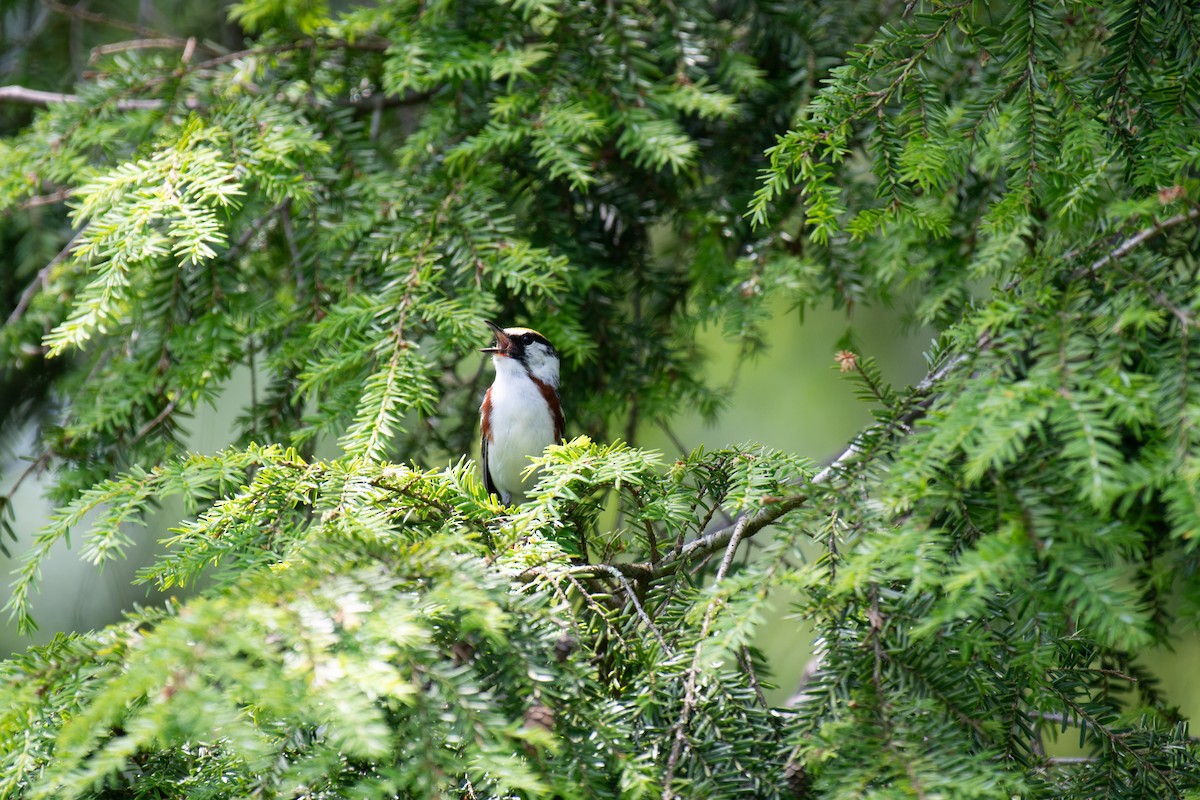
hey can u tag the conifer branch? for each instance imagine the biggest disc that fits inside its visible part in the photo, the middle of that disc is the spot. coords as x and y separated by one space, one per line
1141 237
631 593
159 43
46 199
753 522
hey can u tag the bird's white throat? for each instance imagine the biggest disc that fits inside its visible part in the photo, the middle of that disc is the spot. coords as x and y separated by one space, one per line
540 362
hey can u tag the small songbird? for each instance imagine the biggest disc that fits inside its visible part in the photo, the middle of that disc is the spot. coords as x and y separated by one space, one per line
521 413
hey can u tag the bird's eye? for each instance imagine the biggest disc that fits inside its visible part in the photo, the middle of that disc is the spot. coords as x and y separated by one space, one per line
527 338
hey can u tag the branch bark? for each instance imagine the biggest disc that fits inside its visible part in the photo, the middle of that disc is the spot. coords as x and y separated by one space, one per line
1129 245
36 97
40 279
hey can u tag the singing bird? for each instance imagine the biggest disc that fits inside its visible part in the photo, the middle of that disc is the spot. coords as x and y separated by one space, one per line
521 413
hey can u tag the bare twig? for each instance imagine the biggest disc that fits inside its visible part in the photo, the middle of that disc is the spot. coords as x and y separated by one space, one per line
33 97
632 594
145 430
46 199
679 729
91 16
34 467
1133 242
39 280
253 229
22 94
747 663
159 43
36 97
285 217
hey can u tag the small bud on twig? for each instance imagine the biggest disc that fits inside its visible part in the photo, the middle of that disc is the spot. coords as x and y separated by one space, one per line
847 360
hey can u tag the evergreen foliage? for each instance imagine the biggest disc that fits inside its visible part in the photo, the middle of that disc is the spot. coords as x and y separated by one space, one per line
331 202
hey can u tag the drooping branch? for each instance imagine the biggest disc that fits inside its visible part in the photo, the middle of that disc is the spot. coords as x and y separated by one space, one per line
40 280
22 94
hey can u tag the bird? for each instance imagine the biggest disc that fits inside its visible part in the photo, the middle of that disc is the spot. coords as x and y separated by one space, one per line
521 412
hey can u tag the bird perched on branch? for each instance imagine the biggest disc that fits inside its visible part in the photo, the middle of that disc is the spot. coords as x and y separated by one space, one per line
521 413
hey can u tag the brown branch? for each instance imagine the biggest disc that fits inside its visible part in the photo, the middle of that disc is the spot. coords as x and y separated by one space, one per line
22 94
37 97
34 97
145 430
616 575
35 466
46 199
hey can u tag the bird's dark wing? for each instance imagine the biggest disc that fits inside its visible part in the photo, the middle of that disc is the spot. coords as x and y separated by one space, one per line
487 475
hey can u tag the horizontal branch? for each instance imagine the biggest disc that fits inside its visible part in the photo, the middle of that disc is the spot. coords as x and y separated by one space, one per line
161 43
37 97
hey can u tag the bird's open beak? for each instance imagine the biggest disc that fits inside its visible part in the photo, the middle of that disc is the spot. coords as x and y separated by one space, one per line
502 340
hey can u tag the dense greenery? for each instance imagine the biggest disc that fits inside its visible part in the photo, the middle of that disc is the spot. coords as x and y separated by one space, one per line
328 203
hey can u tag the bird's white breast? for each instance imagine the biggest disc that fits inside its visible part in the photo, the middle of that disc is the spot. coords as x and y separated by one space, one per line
521 426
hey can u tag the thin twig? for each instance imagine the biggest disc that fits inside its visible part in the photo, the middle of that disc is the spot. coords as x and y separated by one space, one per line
679 729
145 430
22 94
675 440
633 598
39 280
289 235
37 464
46 199
36 97
752 675
91 16
1130 244
158 43
590 600
253 229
